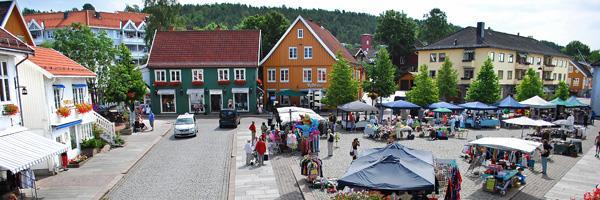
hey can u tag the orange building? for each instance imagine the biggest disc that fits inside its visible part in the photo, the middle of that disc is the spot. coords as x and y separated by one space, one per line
301 61
579 78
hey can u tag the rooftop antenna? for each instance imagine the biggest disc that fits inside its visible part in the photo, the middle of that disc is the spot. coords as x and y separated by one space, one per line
580 56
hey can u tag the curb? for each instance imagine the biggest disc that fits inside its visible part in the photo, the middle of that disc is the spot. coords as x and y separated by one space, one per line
118 178
302 185
232 168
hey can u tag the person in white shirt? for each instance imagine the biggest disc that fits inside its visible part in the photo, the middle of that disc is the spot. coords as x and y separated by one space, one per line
571 121
249 150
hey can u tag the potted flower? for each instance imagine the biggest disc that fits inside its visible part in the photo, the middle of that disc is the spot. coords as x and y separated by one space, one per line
240 82
83 108
77 161
197 83
174 84
160 83
10 109
223 82
63 112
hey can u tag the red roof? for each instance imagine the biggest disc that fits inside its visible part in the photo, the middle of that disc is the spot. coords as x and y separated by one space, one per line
87 17
9 41
331 41
57 63
221 48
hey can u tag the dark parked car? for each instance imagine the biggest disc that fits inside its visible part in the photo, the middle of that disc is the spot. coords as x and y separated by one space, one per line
229 117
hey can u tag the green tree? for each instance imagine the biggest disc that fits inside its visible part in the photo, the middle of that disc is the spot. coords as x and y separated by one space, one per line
124 78
88 6
381 76
594 56
214 26
342 87
132 8
485 88
425 91
562 91
163 14
435 26
552 45
447 81
577 50
397 30
272 25
530 86
93 51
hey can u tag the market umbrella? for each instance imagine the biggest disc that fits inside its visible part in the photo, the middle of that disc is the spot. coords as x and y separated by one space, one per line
562 122
357 106
538 102
443 104
291 93
476 105
442 110
507 144
526 121
400 104
510 103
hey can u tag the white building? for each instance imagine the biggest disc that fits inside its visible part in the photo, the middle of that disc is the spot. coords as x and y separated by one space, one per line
128 28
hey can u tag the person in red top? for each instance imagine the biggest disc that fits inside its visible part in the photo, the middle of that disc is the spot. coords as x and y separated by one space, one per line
253 130
261 148
598 145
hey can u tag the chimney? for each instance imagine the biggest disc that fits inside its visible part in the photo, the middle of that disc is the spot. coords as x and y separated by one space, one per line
366 42
65 15
518 34
480 32
97 15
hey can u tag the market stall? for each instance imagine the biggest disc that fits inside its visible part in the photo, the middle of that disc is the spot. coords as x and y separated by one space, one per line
539 106
503 161
511 108
478 117
356 106
526 121
443 104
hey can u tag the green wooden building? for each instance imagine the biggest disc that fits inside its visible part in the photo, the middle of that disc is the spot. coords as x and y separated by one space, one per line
204 71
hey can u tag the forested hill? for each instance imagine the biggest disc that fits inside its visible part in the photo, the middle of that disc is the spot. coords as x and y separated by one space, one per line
346 26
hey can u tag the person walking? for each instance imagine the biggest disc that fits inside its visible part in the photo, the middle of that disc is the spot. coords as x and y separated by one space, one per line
253 130
354 151
330 140
151 120
264 128
352 122
597 141
586 119
545 154
249 151
261 148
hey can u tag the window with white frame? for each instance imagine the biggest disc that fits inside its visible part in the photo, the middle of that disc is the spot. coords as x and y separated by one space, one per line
554 62
175 75
160 76
223 74
4 87
501 57
293 54
197 74
284 75
271 75
58 94
509 74
538 61
307 75
500 74
308 52
322 75
79 95
300 33
530 60
433 57
510 58
575 81
240 74
491 56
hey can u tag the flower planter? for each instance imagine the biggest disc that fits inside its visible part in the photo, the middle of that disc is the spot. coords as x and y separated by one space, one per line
90 152
165 84
224 82
240 82
197 83
10 109
77 164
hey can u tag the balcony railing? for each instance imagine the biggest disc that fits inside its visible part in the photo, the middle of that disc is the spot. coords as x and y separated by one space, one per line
137 40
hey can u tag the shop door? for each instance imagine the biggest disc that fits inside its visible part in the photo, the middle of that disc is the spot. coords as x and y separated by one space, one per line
215 102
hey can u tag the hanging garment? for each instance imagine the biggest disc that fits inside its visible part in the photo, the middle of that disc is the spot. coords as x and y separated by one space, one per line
27 179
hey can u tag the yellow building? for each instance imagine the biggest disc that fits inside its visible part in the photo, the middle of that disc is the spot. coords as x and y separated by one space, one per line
511 55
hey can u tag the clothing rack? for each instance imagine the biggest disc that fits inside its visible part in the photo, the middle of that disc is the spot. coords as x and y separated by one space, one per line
448 178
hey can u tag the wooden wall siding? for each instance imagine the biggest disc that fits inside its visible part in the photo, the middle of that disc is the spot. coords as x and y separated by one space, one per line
16 26
576 74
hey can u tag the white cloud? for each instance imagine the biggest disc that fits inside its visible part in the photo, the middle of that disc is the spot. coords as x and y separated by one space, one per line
554 20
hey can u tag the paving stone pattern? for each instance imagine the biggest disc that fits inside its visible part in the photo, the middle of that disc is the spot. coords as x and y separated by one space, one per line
582 178
536 187
253 182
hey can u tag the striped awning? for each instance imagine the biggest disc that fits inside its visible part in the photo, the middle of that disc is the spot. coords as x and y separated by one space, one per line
23 149
165 91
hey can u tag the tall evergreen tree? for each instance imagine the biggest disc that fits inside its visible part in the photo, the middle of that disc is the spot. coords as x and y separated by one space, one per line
425 91
530 86
485 88
272 25
163 14
447 81
342 87
435 26
380 77
562 91
398 31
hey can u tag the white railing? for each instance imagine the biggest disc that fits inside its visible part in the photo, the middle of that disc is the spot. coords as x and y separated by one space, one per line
105 124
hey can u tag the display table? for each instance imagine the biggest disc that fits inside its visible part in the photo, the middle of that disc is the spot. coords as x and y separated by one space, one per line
489 123
499 183
565 149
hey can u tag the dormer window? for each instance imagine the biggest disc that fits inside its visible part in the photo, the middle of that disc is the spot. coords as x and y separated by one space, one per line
300 33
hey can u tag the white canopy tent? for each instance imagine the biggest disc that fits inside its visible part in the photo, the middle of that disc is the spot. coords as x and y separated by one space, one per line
285 113
293 109
357 106
21 149
507 144
538 102
526 121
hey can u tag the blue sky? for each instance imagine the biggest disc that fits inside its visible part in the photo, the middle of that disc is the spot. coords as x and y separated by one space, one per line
560 21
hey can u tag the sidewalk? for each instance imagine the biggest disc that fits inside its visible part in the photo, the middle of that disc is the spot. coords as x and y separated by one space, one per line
101 172
582 178
252 182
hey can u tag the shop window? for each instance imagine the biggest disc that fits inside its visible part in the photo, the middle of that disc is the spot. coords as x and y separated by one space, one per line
241 101
167 103
196 103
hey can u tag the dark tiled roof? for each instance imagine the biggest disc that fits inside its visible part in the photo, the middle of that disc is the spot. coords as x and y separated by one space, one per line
467 38
583 67
4 7
10 42
596 64
331 41
221 48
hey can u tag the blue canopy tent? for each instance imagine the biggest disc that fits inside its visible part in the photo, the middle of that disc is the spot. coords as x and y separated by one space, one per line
510 103
443 104
476 105
400 104
483 122
392 168
574 102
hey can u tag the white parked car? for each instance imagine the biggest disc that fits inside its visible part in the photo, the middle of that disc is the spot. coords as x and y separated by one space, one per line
185 125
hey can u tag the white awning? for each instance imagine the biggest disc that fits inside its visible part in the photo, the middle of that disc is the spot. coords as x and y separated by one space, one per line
22 149
216 91
165 91
239 90
195 91
507 144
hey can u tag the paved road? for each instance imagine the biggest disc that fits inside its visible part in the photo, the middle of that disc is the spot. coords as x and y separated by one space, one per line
188 168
